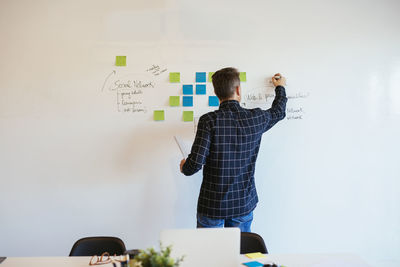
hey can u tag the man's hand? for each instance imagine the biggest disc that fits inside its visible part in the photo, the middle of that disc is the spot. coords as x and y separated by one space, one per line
278 80
182 162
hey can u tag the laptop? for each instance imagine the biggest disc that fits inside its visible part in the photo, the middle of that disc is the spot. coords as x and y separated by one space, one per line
204 246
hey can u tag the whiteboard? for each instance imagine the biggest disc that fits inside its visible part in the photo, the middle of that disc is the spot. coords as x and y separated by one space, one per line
77 162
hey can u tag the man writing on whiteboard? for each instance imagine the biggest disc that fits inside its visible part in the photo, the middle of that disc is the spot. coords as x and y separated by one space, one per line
227 143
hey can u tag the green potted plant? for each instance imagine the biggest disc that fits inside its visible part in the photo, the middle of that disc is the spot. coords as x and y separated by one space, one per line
151 258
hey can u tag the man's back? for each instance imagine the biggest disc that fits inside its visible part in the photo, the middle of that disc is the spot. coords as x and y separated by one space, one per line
227 144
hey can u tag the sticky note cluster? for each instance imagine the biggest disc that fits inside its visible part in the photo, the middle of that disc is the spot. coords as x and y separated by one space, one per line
188 91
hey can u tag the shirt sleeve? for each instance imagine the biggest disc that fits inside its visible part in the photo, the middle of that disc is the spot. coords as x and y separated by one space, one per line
200 149
277 111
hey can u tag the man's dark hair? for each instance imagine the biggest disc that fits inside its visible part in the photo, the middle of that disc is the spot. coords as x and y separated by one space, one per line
225 82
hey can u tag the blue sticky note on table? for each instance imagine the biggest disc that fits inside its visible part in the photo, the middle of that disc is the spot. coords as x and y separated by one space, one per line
200 77
187 101
253 264
200 89
213 101
187 89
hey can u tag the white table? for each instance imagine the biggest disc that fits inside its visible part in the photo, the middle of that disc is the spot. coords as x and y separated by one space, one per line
311 260
288 260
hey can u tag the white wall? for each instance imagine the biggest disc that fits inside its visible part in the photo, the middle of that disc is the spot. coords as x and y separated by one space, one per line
71 165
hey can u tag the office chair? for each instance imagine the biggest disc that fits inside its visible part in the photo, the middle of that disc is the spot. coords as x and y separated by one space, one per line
97 245
252 242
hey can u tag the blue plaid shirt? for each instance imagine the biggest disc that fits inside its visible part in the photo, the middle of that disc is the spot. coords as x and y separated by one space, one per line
227 143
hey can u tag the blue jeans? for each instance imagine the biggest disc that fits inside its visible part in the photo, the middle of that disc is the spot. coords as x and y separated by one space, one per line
243 222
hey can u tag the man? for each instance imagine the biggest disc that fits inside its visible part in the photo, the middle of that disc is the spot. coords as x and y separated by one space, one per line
227 143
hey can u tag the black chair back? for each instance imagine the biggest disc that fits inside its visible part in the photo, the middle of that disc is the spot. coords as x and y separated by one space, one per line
252 242
97 245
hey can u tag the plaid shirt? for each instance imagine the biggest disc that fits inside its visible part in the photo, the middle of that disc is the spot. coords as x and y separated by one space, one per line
227 143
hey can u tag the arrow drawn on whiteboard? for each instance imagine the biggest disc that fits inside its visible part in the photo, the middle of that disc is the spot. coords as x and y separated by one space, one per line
108 76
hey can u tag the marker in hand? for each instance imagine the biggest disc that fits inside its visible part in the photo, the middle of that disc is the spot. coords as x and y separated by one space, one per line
278 80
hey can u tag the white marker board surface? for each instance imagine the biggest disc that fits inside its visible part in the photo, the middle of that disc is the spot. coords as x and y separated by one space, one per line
75 161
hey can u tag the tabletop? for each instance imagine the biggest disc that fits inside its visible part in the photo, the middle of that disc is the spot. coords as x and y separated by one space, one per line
288 260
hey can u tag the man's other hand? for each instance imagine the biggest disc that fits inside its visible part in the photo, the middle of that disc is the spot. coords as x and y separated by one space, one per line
278 80
182 162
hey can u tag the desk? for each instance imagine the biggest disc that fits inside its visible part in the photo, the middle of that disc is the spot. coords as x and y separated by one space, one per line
289 260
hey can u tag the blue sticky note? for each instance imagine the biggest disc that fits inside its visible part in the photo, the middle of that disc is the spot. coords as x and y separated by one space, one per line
200 89
187 101
200 77
213 101
187 89
253 264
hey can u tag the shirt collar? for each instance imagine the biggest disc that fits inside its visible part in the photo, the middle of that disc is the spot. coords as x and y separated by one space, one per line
229 104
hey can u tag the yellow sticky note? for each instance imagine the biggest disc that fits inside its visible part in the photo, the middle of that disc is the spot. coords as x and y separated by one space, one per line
255 255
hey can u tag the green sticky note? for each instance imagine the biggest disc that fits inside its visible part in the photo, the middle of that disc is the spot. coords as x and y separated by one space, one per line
242 76
210 74
174 101
188 116
158 115
175 77
120 61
